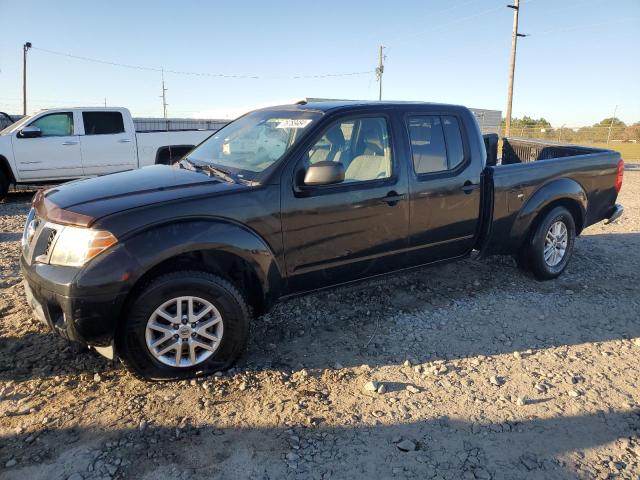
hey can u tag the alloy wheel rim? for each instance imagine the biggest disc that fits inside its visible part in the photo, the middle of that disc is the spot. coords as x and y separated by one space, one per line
555 243
184 331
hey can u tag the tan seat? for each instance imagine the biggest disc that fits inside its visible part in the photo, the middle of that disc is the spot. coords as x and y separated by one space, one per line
368 167
335 143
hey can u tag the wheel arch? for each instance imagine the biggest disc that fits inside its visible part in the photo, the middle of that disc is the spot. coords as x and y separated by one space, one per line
224 248
563 192
228 265
165 153
5 168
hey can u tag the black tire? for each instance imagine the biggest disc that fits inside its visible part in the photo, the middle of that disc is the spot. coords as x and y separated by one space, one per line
534 249
4 185
224 296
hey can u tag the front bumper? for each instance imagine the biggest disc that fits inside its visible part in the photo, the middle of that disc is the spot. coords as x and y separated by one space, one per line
615 213
88 319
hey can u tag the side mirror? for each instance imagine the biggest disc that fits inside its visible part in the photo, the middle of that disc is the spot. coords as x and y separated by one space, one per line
30 132
324 173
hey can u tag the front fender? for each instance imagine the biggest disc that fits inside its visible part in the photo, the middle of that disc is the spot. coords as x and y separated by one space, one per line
141 251
562 189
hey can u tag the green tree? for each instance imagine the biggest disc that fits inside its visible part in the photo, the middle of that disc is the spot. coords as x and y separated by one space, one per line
607 122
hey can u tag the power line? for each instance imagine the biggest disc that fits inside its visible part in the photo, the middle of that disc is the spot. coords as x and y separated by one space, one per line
441 26
200 74
581 27
431 14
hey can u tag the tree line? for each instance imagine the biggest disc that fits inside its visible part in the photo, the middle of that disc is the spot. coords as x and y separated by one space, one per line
598 132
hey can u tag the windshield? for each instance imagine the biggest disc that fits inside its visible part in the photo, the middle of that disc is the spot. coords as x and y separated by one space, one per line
15 126
253 143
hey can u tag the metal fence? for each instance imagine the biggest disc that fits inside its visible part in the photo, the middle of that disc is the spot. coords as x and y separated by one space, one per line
146 124
489 120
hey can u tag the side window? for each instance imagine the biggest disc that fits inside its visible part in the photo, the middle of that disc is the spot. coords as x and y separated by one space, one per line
455 151
427 144
362 145
102 123
55 125
334 144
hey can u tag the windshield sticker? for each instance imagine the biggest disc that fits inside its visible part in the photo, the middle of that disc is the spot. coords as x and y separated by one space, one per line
294 123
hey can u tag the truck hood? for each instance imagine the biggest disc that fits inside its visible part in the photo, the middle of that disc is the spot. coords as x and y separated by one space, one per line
98 197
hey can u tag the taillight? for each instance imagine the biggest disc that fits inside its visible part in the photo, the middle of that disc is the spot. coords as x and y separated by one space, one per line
619 175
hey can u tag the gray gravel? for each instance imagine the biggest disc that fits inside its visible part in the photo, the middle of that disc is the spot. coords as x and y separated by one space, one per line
480 372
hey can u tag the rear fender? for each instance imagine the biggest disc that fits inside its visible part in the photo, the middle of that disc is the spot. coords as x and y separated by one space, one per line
555 191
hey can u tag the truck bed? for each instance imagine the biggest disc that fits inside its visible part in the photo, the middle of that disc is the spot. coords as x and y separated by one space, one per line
531 170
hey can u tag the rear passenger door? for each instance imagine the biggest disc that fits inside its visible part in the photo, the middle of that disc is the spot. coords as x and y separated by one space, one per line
106 145
353 229
445 193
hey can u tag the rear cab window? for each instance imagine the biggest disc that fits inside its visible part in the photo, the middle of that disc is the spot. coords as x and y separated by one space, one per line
102 123
436 143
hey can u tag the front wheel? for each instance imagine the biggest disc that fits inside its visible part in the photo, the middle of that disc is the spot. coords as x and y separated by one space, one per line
551 245
184 324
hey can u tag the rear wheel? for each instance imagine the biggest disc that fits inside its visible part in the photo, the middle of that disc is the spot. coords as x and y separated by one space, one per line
184 324
551 245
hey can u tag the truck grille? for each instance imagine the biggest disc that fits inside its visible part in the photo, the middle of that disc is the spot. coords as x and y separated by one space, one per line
50 239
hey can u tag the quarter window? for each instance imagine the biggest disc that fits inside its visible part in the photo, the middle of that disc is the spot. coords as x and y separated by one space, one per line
55 125
102 123
436 143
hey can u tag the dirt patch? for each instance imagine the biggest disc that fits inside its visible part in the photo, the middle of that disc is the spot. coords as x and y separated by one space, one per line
485 373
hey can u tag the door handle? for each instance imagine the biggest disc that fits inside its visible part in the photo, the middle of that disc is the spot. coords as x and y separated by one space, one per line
392 198
124 140
69 143
469 187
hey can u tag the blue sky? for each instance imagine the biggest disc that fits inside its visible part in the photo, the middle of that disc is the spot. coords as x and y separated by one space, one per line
579 62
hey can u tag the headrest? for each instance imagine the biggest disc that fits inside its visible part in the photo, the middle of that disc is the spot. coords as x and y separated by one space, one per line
335 136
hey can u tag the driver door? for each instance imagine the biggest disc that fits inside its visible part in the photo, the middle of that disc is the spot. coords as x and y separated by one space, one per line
354 229
55 154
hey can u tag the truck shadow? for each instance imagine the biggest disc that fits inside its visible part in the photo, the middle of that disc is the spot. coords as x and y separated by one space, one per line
23 195
466 309
549 448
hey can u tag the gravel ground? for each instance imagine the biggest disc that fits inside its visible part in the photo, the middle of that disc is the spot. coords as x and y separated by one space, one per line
463 371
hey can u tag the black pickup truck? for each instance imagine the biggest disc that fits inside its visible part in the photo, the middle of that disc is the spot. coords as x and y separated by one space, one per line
164 266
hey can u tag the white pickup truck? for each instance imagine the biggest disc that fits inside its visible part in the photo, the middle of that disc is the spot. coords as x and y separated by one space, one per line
55 145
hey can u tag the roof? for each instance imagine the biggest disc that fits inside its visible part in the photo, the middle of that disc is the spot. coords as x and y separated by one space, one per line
332 105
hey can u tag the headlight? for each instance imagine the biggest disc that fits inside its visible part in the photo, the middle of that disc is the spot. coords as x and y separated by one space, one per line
75 246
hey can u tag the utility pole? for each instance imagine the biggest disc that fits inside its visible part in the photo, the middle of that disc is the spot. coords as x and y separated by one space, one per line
512 64
25 49
164 97
380 71
611 124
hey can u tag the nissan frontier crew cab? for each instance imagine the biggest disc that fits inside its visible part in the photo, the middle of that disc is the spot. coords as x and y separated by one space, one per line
165 266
